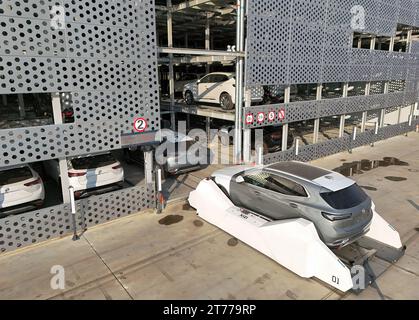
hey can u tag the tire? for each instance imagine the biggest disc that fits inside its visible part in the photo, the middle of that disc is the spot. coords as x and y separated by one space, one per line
189 99
225 101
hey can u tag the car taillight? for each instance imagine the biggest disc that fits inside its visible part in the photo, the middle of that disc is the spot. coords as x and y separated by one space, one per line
119 166
336 217
33 183
76 174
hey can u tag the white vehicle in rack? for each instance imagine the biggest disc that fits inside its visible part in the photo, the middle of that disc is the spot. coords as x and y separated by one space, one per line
219 88
21 189
89 175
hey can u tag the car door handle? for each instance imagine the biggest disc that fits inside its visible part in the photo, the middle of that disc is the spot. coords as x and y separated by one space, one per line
258 193
293 205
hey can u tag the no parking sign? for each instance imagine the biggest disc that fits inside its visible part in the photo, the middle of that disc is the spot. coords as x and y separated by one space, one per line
261 117
249 118
271 116
140 124
281 115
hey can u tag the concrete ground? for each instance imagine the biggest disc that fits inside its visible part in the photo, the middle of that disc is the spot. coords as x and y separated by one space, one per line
178 256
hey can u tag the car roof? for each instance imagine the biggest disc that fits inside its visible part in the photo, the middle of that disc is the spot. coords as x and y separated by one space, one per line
15 167
222 73
300 169
320 177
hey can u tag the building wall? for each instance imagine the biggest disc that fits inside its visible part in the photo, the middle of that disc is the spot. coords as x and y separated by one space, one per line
310 42
101 57
104 56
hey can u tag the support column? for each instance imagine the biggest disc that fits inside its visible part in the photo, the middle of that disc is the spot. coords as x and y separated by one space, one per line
342 117
171 68
392 40
208 129
62 162
317 121
239 83
342 126
399 114
207 40
21 105
4 99
56 108
382 116
247 134
148 166
409 41
365 113
373 41
285 127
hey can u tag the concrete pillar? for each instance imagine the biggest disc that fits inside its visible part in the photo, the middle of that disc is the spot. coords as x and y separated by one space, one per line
4 99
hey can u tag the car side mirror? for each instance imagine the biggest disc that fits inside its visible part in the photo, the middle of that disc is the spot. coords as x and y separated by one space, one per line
239 180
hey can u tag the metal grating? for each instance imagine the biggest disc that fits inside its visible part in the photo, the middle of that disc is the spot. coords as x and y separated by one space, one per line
319 46
37 226
102 58
319 150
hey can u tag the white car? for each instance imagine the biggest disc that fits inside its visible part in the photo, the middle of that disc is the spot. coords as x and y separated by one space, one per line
93 174
184 80
217 87
21 189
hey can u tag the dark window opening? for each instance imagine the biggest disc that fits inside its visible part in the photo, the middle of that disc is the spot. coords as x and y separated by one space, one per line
93 162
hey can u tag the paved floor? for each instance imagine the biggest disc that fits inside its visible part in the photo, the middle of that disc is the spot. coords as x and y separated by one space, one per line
178 256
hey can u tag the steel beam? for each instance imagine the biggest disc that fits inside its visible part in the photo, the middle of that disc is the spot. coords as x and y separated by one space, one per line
201 52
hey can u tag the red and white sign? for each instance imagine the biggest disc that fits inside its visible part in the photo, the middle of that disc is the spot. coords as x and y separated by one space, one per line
261 117
271 116
140 125
249 118
281 115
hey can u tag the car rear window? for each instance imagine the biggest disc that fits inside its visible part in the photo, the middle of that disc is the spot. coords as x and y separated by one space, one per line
15 175
345 198
93 162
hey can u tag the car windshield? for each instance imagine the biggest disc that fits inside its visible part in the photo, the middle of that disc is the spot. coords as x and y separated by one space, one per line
14 175
93 162
345 198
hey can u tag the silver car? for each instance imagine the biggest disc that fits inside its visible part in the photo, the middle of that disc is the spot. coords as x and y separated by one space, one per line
338 207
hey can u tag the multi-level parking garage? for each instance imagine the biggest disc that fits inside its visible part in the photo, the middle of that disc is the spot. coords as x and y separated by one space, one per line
84 77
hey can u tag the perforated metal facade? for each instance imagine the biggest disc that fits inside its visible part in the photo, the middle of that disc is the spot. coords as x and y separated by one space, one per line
103 57
308 41
34 227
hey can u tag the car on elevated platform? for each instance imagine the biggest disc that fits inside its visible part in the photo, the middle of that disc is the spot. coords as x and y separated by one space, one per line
340 210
